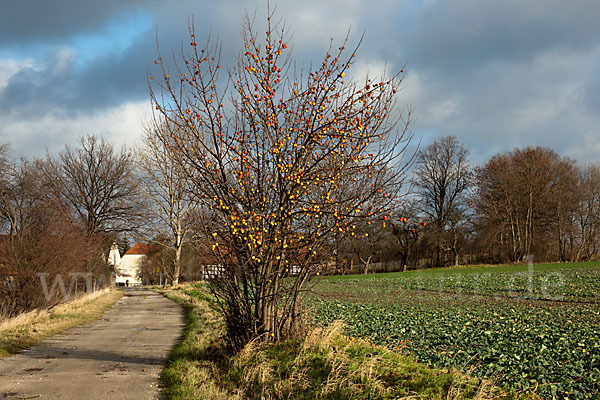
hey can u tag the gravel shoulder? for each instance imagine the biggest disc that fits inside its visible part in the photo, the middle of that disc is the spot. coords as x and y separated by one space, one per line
120 356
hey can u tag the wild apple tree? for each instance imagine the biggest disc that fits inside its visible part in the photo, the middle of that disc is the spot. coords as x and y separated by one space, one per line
282 159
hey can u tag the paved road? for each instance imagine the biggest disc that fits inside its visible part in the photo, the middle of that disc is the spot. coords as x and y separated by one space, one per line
117 357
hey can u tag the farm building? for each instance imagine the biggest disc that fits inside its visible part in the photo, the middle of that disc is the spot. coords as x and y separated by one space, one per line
127 268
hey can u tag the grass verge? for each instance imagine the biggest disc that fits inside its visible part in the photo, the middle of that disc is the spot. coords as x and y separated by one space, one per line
325 364
30 328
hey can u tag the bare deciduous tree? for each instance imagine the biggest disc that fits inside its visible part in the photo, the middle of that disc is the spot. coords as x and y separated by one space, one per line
166 184
406 229
4 163
41 241
273 165
442 179
364 249
98 184
54 249
566 196
21 196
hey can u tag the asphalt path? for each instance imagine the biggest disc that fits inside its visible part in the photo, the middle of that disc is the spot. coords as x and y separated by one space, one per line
119 356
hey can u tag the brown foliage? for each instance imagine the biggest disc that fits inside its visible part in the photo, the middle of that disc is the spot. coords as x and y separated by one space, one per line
53 250
523 200
42 245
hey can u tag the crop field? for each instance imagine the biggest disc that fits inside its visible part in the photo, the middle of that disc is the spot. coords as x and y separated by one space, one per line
531 329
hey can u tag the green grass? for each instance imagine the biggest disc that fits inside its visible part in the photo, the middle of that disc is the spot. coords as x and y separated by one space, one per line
535 331
465 270
29 329
190 370
550 282
324 364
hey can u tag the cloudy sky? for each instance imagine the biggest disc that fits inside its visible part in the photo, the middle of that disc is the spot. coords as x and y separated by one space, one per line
496 74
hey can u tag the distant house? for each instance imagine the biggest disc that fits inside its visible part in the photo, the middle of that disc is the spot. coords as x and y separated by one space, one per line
128 267
212 271
212 266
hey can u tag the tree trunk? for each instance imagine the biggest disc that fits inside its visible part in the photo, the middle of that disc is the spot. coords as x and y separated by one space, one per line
366 263
405 261
176 266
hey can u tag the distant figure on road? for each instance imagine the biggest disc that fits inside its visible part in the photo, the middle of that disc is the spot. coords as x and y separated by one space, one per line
127 283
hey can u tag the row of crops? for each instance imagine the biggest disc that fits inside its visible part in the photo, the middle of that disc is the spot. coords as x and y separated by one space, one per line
506 326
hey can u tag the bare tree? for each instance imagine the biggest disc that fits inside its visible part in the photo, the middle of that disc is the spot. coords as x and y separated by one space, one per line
53 248
166 185
22 194
566 197
6 177
4 163
366 247
272 165
443 177
98 184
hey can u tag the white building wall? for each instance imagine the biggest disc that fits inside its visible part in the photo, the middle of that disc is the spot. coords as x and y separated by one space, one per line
129 269
114 257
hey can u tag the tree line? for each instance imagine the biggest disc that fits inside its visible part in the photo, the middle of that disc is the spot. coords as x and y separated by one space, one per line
60 214
521 204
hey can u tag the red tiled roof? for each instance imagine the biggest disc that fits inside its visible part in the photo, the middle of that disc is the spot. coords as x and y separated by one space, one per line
141 249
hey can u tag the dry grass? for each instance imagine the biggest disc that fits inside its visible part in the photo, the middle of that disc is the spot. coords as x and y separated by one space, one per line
328 365
30 328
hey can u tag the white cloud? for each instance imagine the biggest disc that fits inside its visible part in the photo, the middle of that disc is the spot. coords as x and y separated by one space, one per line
433 108
314 23
372 68
63 61
9 67
121 124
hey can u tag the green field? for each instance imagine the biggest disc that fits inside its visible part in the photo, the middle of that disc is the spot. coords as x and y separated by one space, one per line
532 329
